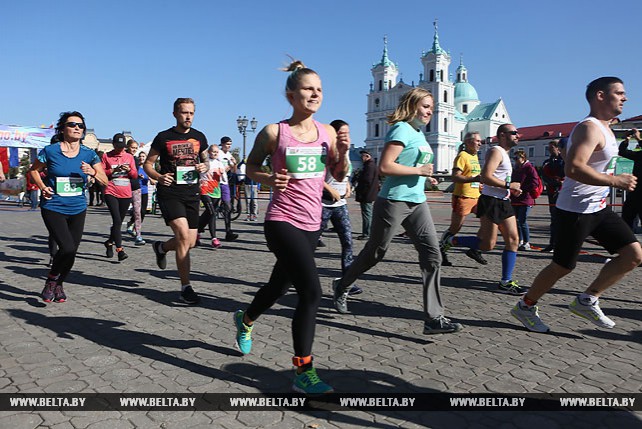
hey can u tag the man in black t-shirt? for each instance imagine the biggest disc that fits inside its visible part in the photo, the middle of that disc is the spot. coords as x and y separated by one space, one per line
182 153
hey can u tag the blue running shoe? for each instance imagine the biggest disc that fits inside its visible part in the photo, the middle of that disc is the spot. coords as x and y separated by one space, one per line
309 383
243 333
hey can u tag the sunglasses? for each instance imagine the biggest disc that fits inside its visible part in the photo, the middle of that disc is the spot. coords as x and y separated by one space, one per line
75 124
512 133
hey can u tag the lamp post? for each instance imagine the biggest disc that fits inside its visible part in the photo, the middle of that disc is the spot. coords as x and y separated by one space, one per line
242 124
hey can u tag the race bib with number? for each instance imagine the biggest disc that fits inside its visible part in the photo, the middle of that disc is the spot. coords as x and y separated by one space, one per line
305 162
474 185
186 175
425 156
69 186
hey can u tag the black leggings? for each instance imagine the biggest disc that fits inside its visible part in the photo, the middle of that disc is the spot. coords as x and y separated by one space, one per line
118 210
295 266
66 231
208 217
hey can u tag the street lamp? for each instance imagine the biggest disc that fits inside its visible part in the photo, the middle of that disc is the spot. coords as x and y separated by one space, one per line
242 124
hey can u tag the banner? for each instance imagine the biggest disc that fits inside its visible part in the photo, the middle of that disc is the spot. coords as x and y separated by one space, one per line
37 402
29 137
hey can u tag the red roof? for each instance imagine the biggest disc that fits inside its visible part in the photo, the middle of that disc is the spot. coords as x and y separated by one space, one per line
540 132
633 119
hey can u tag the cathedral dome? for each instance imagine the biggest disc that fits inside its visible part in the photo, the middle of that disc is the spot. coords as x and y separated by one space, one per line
464 91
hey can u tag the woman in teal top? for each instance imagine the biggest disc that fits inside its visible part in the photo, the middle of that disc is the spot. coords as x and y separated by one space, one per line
406 160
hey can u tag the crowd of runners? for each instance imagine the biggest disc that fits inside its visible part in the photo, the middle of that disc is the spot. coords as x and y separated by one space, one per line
308 174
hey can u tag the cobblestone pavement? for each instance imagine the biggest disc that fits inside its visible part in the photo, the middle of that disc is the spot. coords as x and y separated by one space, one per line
123 330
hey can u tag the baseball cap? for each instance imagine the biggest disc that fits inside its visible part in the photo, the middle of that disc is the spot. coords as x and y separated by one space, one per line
119 141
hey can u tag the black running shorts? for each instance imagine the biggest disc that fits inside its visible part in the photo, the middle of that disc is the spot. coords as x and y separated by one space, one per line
175 206
605 226
494 209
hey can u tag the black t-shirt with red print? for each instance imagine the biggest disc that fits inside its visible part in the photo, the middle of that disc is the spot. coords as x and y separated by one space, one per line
178 153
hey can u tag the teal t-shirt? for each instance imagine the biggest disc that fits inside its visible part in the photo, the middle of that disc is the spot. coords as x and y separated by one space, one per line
416 152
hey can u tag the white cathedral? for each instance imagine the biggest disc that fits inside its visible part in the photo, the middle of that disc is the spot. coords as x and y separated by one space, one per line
457 110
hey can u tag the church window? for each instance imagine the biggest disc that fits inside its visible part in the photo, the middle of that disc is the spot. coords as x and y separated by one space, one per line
441 75
389 84
445 96
464 108
445 125
531 152
432 75
376 102
376 130
380 85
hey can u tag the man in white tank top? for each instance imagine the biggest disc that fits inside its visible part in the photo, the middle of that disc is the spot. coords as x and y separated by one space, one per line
583 211
494 209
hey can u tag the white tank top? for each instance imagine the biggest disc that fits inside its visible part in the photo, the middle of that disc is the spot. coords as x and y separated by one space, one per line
582 198
503 172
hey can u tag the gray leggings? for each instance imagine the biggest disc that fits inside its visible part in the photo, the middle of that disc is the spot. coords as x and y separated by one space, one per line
415 218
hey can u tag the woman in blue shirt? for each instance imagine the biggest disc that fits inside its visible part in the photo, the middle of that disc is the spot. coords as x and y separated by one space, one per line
69 164
406 160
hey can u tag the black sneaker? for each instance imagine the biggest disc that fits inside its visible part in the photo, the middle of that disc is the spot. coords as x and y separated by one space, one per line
355 290
122 256
161 258
59 293
476 255
441 325
109 246
231 236
444 260
188 296
548 249
47 293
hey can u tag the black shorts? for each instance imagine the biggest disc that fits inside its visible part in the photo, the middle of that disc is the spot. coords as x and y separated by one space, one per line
605 226
177 206
494 209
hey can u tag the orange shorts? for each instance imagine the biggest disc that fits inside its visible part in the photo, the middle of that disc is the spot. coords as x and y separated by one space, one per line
464 206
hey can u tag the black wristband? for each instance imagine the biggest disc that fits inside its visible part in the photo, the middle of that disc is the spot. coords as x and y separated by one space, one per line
506 185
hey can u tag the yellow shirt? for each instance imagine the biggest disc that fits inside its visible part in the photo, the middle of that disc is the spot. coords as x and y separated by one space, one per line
469 166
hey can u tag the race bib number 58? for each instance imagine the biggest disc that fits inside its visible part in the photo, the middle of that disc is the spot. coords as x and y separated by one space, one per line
305 162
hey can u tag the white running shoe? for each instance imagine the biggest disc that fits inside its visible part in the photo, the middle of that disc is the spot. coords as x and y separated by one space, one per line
591 312
529 318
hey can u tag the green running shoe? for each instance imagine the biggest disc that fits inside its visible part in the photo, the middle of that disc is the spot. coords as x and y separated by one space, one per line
243 333
309 383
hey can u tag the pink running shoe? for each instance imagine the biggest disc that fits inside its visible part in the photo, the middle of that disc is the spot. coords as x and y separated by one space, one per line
216 243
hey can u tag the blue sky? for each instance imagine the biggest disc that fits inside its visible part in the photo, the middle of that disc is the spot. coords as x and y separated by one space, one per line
122 63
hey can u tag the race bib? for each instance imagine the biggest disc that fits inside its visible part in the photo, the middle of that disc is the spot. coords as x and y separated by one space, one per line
425 156
186 175
474 185
121 182
305 162
69 186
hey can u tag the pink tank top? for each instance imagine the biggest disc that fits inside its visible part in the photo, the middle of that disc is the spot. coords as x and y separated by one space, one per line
300 203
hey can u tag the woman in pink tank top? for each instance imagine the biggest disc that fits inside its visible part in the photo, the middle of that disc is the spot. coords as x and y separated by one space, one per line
301 149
